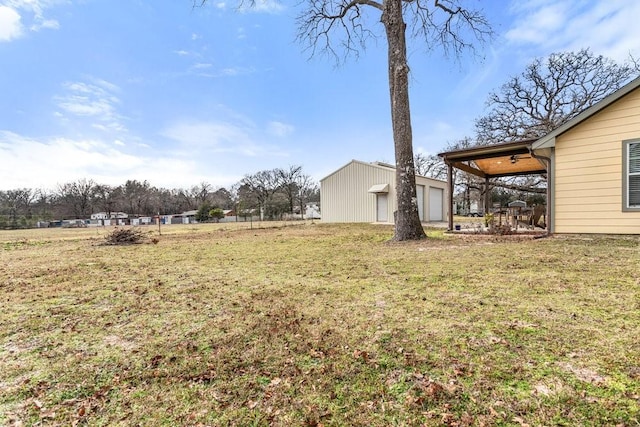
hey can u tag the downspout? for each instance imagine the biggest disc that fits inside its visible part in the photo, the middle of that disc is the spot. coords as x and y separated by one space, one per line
547 162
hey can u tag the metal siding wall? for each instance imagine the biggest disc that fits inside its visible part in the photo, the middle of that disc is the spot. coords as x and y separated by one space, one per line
428 182
344 196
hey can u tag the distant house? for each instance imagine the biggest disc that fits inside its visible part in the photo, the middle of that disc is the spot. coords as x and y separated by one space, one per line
366 192
111 215
312 210
592 163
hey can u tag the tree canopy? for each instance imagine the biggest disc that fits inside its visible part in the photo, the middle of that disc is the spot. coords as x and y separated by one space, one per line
549 92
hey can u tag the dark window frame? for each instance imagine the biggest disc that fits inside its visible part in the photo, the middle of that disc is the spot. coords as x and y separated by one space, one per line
626 175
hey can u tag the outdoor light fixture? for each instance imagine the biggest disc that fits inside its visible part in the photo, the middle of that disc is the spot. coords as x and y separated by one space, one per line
514 159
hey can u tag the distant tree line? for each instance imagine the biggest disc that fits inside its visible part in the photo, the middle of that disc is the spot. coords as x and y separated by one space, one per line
267 194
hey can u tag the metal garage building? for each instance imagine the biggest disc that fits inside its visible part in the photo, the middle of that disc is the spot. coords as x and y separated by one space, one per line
366 192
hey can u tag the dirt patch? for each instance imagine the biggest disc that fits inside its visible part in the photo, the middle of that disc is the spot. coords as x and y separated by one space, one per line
584 374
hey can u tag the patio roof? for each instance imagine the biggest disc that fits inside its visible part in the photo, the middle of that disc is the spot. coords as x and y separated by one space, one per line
492 161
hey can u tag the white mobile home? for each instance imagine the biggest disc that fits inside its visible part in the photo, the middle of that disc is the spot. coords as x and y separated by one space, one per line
366 192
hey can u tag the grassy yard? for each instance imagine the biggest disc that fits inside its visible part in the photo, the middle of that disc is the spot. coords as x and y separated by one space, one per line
313 324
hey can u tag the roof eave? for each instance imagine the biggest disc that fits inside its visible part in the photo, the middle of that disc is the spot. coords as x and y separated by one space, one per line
544 142
494 150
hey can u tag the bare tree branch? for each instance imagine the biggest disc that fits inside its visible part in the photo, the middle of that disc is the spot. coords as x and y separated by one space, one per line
548 93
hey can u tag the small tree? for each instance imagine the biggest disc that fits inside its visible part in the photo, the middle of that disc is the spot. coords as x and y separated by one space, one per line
203 213
217 214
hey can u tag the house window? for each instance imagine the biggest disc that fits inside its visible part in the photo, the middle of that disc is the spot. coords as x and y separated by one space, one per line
631 175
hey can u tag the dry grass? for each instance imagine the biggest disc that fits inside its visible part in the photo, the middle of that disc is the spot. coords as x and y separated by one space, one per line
318 325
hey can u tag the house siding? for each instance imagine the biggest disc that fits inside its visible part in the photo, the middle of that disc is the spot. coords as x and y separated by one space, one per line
345 197
588 171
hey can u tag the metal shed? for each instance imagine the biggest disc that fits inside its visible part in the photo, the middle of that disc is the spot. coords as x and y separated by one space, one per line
365 192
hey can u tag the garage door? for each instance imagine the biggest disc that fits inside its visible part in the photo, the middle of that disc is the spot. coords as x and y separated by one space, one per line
435 204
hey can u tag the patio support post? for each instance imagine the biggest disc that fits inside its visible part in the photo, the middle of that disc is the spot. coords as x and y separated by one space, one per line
450 186
486 195
548 167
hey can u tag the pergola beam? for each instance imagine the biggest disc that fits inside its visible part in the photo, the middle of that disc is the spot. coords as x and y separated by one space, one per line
470 169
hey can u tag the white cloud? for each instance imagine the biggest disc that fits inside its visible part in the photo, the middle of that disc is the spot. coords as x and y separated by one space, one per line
45 163
220 137
227 72
10 25
279 129
208 135
607 27
33 163
49 24
95 100
262 6
84 106
31 11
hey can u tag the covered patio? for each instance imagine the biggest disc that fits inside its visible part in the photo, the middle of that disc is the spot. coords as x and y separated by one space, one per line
496 161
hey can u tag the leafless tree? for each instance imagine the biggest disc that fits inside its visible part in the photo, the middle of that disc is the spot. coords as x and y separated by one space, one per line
105 197
288 183
43 203
200 193
439 23
17 202
262 185
136 197
221 198
76 196
430 165
548 93
307 188
634 63
341 27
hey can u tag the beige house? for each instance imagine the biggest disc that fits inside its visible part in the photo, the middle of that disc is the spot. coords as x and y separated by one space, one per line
592 163
366 192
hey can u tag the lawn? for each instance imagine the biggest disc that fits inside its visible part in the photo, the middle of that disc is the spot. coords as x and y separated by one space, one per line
309 325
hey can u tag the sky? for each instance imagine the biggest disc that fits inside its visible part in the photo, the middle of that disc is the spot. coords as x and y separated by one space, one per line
159 90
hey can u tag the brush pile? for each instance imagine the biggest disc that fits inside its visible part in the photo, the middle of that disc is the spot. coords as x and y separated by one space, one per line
125 236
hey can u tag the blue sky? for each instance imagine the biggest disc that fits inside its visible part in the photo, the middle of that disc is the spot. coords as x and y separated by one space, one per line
158 90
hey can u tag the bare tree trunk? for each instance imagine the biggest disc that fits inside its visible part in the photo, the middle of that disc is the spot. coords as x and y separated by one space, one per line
407 221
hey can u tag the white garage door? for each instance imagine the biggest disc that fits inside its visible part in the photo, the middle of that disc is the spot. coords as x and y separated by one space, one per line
420 197
435 204
381 207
